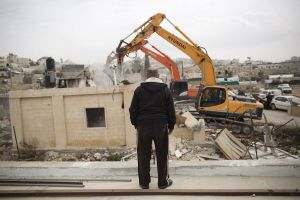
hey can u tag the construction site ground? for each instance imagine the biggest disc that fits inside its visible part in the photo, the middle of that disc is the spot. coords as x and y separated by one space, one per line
115 177
190 172
180 183
288 140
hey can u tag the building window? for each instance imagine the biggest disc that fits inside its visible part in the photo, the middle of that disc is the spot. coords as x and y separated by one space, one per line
95 117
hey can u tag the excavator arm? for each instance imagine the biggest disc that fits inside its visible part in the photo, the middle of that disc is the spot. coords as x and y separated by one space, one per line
158 56
200 58
146 30
163 59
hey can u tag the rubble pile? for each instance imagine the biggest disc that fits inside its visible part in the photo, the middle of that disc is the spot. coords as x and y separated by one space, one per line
288 139
5 134
179 149
188 150
216 143
92 155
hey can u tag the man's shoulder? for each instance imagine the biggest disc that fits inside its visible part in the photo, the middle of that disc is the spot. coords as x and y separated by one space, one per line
137 89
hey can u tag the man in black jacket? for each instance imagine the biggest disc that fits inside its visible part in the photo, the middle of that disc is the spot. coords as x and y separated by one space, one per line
153 115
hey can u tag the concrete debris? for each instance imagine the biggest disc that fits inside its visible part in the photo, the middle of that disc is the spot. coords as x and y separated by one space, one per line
5 138
97 156
192 123
218 145
127 157
51 155
268 154
178 154
187 150
180 119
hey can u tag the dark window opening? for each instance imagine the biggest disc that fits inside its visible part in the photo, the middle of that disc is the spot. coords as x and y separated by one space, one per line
95 117
179 89
213 96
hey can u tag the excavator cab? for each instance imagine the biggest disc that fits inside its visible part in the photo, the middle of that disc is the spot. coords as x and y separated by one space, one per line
214 101
179 89
212 96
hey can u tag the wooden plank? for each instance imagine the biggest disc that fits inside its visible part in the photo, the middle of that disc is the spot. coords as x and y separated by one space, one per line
226 150
230 145
221 149
240 146
234 147
235 140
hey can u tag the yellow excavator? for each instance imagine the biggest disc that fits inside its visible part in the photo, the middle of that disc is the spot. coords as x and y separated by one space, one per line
212 100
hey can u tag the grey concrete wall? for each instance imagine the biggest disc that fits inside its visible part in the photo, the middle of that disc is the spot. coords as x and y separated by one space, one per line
260 168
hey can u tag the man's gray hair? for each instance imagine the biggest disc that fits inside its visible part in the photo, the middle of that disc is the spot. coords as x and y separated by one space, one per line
152 72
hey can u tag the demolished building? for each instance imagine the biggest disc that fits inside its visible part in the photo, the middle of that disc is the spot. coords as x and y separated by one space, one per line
71 117
74 76
68 118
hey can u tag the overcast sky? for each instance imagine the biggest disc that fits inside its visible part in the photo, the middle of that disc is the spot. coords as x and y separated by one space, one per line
86 31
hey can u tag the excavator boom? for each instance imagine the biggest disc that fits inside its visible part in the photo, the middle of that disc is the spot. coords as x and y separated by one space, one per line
158 56
166 61
200 58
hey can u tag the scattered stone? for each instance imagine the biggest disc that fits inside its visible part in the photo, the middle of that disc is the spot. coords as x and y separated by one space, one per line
92 159
3 126
178 154
104 159
191 122
97 156
51 155
184 151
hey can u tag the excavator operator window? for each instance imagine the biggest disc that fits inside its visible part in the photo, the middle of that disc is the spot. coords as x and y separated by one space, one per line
212 96
179 89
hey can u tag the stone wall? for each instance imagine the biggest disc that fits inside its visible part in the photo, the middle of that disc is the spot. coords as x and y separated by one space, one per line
57 118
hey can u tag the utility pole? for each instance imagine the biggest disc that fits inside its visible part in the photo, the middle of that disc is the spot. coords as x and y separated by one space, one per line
250 64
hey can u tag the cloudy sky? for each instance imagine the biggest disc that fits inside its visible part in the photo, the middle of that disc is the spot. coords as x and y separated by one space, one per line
86 31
